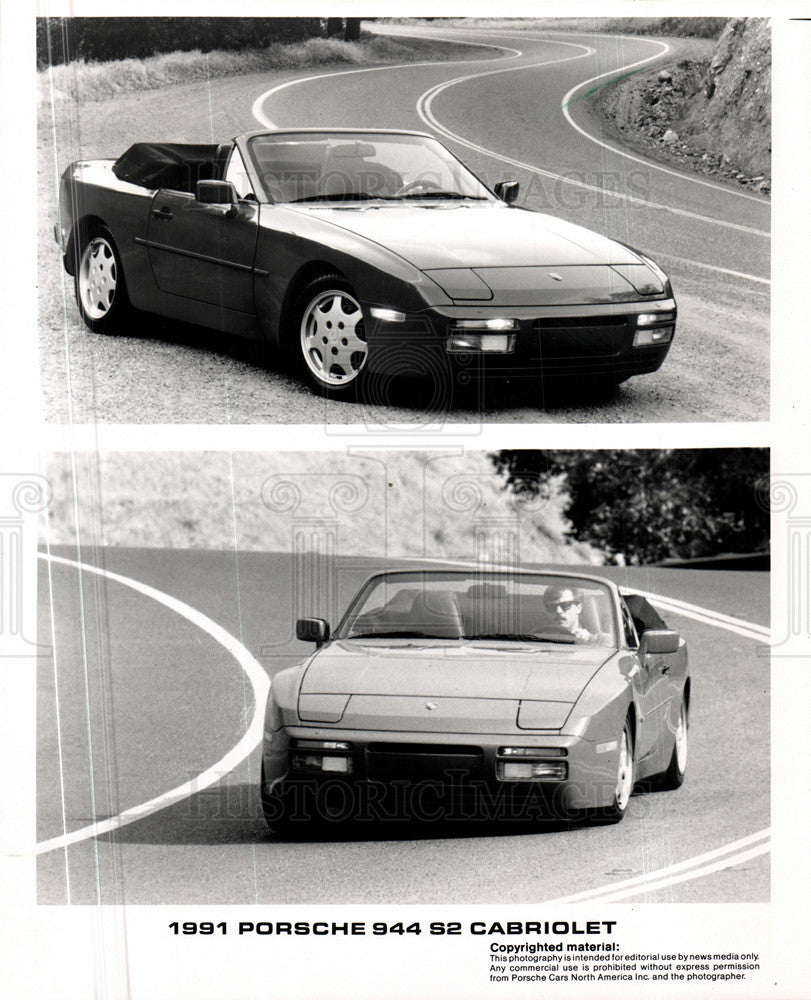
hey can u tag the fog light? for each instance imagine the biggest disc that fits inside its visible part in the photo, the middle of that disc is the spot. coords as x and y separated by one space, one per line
536 752
654 335
321 762
532 770
481 343
388 315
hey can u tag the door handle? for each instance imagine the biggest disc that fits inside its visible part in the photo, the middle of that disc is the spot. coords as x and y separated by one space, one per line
665 668
162 214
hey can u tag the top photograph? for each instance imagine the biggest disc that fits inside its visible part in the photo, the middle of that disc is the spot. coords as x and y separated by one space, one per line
399 221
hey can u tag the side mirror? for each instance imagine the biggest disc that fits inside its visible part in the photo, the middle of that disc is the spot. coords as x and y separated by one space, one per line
312 630
658 641
216 193
507 191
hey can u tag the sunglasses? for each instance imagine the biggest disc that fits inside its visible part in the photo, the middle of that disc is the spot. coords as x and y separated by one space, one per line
563 605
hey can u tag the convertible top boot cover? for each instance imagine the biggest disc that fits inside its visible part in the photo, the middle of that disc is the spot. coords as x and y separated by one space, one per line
175 166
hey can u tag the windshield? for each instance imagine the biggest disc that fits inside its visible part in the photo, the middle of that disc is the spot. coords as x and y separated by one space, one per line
499 607
329 167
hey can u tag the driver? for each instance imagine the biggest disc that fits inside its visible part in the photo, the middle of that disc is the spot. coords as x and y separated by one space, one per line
565 606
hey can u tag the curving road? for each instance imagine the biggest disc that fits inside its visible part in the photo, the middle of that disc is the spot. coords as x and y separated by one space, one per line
519 113
146 779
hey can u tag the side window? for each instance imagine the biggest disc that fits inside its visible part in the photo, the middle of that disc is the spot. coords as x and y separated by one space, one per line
631 637
236 173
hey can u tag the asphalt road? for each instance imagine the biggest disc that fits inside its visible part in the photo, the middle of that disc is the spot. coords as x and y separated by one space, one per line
140 700
502 115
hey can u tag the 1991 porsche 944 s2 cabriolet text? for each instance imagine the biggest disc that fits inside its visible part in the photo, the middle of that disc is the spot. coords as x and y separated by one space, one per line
357 252
548 694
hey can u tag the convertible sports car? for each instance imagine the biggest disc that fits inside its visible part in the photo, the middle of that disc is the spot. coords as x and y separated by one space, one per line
357 253
542 693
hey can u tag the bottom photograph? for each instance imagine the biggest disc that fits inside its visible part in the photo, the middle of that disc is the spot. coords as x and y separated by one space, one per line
402 676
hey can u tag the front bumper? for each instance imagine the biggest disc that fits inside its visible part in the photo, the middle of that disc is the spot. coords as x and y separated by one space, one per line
405 776
583 340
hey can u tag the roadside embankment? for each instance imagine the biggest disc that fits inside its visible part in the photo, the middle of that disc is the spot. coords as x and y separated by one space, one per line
706 108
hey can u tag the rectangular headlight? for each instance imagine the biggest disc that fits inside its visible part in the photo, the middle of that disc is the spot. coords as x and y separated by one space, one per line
497 323
651 319
536 752
321 744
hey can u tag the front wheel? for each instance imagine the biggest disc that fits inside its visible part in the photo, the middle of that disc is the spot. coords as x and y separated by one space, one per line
331 338
674 775
101 292
625 778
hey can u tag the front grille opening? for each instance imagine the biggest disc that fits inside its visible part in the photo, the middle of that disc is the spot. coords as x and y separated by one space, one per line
432 749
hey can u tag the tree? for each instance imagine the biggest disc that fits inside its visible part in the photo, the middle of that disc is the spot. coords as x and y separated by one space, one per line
648 505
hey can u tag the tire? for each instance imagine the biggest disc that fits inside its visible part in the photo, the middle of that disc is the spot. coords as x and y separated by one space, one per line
328 342
625 778
101 292
274 806
673 777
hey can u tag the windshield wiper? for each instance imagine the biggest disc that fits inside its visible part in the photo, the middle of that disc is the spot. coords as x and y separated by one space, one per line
454 195
342 196
398 635
520 637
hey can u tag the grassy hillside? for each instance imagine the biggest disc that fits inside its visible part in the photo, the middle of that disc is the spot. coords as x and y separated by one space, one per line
94 81
431 504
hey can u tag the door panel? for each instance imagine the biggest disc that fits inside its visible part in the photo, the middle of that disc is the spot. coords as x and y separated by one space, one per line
197 251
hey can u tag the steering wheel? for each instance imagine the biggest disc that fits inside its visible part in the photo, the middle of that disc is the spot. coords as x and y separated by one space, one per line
417 185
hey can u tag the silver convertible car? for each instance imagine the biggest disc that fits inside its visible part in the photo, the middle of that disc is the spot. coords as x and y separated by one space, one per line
357 254
539 693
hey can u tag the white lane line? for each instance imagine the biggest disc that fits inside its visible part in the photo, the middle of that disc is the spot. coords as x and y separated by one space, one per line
260 684
569 98
713 267
731 854
259 114
425 112
751 630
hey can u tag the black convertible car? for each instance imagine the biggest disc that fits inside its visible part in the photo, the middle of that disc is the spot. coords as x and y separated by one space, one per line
357 252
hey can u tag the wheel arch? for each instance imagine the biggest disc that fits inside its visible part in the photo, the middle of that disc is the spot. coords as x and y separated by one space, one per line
81 228
634 719
306 273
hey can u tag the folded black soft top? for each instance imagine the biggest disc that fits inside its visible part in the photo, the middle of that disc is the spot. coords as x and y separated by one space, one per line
177 166
645 616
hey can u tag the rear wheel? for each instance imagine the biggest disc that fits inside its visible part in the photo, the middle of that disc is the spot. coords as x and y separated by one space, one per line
101 292
331 349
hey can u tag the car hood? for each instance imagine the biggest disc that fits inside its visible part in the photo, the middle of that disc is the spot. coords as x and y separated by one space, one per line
469 687
472 235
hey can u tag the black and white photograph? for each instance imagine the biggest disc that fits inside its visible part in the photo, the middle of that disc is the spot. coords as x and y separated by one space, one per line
310 220
405 501
473 662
